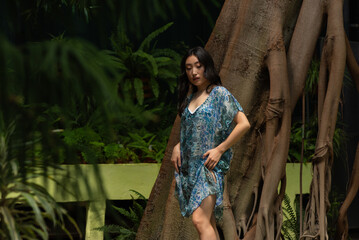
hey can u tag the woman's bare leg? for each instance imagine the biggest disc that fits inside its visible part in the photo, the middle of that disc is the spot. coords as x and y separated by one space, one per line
201 219
214 225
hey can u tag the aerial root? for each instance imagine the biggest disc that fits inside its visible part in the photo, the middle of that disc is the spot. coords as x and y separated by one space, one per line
244 224
255 193
274 108
265 217
320 152
309 236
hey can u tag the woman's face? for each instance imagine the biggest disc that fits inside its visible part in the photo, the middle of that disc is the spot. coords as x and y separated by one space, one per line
195 72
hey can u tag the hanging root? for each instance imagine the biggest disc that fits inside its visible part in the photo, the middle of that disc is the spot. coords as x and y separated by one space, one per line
250 235
255 192
229 228
274 109
273 113
277 144
244 223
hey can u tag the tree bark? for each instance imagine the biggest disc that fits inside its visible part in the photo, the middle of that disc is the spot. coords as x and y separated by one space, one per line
152 220
330 85
248 45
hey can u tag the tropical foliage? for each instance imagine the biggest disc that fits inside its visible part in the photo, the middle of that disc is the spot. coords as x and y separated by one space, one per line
25 206
147 64
290 227
72 102
308 132
47 87
129 219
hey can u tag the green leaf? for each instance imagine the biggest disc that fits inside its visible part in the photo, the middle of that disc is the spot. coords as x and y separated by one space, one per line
73 222
139 195
148 62
146 42
168 53
122 211
166 74
10 223
109 228
155 87
138 85
49 209
38 216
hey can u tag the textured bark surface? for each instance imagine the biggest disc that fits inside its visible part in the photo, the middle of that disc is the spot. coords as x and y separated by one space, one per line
329 88
244 72
152 221
262 50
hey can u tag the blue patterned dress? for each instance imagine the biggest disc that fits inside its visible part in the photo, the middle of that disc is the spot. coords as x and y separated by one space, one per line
207 127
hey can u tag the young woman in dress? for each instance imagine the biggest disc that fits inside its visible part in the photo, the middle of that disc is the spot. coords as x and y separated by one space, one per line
211 122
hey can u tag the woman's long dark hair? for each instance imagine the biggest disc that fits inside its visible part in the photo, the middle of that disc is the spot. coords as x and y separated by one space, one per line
209 73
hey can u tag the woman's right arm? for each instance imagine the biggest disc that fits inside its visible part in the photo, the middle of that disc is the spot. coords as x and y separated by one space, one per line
176 157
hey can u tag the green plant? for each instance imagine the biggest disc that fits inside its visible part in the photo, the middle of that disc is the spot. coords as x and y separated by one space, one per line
339 140
24 206
336 199
54 85
311 125
129 221
312 78
294 153
147 144
137 146
146 65
87 141
290 227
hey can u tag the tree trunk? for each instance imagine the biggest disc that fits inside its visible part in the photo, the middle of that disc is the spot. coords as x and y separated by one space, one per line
249 45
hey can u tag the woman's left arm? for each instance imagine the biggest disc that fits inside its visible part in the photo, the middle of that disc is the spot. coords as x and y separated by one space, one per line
213 155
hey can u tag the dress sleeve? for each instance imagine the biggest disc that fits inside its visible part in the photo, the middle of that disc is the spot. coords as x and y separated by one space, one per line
229 108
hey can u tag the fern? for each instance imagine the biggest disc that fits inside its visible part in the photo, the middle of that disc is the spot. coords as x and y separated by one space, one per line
110 228
145 45
139 195
155 87
127 230
165 74
138 85
166 52
147 61
290 227
144 63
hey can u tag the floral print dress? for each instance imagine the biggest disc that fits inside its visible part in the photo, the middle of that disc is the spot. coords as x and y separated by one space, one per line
207 127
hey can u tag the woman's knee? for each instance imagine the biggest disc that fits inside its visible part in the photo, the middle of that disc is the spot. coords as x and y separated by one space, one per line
200 222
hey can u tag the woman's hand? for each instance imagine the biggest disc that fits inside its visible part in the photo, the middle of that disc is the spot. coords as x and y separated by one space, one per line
176 157
213 157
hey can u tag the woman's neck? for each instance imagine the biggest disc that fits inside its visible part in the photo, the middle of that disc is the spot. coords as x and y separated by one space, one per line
201 89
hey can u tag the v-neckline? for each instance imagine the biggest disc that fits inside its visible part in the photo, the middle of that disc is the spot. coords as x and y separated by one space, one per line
200 104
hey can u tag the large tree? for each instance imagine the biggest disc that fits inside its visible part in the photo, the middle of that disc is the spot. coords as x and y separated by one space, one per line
263 49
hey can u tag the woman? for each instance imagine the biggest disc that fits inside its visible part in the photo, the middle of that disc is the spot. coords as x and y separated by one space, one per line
211 122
